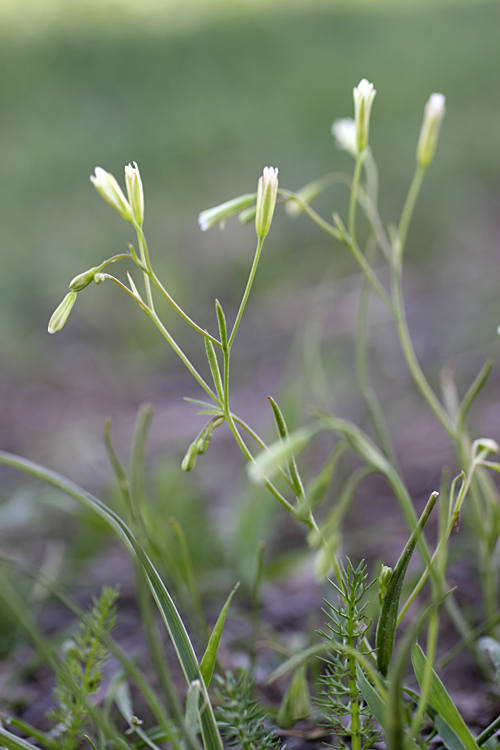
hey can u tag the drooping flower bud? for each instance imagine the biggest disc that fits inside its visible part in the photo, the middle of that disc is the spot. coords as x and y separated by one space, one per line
83 279
61 314
433 116
135 192
266 201
108 187
344 132
364 94
189 460
220 214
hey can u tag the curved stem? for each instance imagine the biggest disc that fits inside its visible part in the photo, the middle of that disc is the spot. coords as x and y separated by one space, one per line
144 253
408 208
154 317
248 288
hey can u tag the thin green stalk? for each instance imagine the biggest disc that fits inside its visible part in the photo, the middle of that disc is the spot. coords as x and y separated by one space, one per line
248 288
408 208
362 371
432 636
144 253
353 683
154 317
353 202
156 281
410 356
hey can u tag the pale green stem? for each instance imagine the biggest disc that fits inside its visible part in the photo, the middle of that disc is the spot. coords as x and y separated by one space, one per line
409 207
410 356
358 255
144 253
362 370
154 317
180 311
432 636
351 226
248 288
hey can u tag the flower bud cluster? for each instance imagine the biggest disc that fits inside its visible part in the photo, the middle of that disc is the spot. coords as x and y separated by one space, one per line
106 185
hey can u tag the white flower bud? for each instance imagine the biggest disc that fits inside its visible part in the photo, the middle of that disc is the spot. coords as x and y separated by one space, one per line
108 187
344 132
135 192
364 94
266 201
60 316
220 214
433 116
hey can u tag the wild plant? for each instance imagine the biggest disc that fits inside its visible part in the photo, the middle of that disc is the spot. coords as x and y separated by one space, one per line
364 688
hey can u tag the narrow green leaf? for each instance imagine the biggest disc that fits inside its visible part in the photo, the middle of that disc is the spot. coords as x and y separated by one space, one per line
373 700
12 742
268 463
291 463
471 394
214 368
210 656
221 319
448 735
441 701
386 628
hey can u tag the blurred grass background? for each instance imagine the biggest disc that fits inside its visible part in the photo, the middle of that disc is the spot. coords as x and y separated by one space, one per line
203 94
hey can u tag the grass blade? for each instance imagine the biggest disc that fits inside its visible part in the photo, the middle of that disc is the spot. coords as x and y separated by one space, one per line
210 656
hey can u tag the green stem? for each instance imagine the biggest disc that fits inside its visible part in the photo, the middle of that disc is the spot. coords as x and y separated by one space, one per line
362 371
154 278
353 683
408 208
154 317
410 356
248 288
143 250
354 198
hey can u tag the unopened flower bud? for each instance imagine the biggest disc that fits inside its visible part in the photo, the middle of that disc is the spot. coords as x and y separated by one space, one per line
135 192
383 581
60 316
220 214
364 94
108 187
100 277
433 116
344 132
189 460
83 279
266 201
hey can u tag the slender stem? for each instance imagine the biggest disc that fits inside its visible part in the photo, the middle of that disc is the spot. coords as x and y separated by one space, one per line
432 636
144 252
154 317
353 683
354 198
362 371
409 207
156 281
410 356
248 288
358 255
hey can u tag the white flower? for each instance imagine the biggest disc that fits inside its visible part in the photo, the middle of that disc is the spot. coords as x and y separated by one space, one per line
108 187
344 132
135 191
219 214
364 94
433 116
266 200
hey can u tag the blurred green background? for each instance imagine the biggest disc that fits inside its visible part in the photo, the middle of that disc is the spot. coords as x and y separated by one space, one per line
203 94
